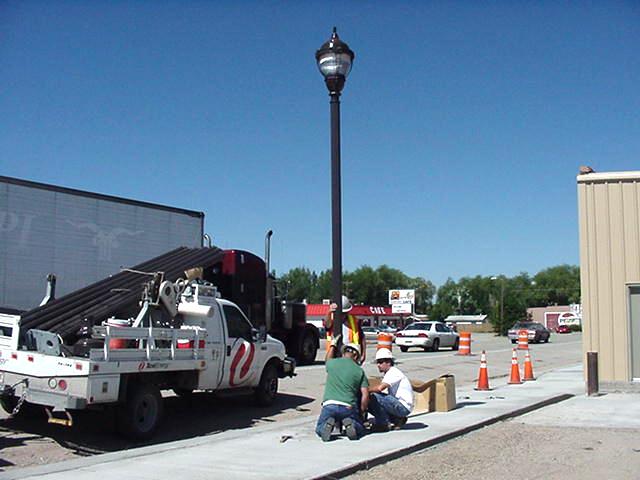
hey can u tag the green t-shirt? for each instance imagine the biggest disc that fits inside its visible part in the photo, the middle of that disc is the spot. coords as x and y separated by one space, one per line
344 381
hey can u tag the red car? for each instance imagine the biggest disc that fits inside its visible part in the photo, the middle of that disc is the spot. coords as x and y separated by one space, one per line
563 329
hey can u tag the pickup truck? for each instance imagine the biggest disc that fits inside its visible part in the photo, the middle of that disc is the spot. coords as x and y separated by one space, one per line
184 338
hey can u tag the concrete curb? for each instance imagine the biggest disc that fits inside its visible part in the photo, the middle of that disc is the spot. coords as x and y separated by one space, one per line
395 454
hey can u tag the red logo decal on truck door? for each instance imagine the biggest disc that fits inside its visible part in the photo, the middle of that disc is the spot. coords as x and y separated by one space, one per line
245 366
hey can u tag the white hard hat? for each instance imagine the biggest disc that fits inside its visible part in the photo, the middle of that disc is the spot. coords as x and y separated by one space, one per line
384 354
346 304
351 346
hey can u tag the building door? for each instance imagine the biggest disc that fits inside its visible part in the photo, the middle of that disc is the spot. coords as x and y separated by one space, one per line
634 330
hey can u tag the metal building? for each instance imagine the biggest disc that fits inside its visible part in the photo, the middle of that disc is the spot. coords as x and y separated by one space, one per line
609 211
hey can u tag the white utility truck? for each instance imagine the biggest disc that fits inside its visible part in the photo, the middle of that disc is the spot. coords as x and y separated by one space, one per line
183 338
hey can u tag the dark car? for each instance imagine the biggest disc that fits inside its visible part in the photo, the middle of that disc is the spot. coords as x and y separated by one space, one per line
563 329
536 332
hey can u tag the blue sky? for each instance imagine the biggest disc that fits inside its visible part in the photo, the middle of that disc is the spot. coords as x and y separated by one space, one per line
463 123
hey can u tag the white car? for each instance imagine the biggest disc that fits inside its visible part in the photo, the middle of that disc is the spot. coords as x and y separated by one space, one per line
428 336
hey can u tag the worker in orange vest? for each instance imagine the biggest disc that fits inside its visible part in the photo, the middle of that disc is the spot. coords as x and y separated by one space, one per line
351 327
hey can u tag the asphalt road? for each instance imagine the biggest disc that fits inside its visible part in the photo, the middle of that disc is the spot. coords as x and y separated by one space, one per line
31 441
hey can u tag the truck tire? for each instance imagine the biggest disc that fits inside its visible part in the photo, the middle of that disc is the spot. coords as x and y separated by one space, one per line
308 349
140 416
404 349
266 391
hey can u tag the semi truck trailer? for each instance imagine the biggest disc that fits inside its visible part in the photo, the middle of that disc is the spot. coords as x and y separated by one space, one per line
79 236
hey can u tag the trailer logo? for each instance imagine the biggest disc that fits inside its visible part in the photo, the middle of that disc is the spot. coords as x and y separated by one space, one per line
246 366
106 240
11 222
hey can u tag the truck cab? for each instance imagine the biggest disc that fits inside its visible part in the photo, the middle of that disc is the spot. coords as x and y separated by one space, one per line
238 353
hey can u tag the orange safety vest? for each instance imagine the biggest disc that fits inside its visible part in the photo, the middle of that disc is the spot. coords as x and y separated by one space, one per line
350 329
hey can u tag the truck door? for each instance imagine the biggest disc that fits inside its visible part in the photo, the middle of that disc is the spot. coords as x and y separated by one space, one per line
207 315
241 358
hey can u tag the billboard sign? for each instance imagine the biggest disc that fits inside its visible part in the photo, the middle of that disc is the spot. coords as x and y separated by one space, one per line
402 296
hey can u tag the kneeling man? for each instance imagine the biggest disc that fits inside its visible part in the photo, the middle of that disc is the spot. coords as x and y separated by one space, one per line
345 393
396 405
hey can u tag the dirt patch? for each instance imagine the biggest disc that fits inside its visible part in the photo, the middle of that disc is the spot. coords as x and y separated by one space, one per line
514 450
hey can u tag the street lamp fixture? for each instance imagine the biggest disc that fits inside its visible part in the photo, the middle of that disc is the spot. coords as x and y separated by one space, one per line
334 59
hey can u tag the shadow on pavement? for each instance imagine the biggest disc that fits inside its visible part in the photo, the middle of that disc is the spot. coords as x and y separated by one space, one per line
189 417
415 426
468 404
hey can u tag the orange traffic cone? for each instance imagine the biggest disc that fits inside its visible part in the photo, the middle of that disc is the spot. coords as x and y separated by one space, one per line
515 369
528 368
483 376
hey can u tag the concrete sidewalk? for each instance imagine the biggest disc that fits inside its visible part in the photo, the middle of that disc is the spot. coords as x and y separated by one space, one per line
261 452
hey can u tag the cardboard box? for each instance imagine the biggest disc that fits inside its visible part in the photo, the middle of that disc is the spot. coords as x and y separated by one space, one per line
374 381
437 395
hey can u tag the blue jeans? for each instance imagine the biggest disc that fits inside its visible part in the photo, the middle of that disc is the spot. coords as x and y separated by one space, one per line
339 413
386 408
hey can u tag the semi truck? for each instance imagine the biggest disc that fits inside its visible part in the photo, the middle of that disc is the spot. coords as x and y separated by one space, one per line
184 337
246 279
79 236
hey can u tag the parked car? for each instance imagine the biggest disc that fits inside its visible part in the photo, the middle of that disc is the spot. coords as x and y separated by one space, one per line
536 332
370 332
563 329
428 336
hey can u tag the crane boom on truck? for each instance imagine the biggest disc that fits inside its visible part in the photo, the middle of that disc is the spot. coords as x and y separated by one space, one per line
184 337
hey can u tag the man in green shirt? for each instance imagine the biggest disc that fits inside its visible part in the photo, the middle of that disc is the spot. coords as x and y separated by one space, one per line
346 394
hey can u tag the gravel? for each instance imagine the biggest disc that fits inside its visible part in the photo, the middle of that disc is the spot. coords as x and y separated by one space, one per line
512 449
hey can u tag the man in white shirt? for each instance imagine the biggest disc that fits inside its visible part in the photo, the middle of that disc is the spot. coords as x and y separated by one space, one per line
396 405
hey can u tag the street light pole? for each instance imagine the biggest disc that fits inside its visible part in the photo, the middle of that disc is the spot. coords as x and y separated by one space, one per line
334 59
501 299
502 303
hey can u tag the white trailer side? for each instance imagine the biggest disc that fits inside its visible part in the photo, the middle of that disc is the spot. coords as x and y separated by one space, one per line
79 236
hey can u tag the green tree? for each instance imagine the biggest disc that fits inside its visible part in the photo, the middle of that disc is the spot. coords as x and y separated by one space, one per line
425 290
298 284
323 287
364 286
559 285
446 301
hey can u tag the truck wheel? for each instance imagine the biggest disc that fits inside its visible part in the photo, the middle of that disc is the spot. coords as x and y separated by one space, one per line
404 349
139 417
266 391
308 349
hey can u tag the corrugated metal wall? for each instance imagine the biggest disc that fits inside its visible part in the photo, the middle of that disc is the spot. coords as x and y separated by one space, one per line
609 210
81 239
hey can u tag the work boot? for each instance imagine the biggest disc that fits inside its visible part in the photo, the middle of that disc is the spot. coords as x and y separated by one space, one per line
350 428
397 425
327 429
379 428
